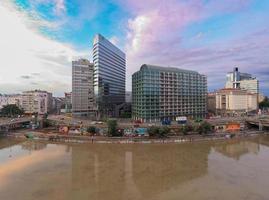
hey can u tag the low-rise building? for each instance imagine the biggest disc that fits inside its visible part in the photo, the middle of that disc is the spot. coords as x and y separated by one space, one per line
15 99
37 101
232 101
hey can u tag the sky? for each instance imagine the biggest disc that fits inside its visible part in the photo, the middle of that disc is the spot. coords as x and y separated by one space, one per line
40 38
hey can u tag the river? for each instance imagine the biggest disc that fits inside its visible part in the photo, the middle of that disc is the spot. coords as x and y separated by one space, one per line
231 169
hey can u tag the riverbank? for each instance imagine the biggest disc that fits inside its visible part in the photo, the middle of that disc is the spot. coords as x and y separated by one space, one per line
58 138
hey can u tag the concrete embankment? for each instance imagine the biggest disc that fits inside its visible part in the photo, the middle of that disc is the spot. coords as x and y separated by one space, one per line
131 140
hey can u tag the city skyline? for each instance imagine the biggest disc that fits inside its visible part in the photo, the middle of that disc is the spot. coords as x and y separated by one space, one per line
39 39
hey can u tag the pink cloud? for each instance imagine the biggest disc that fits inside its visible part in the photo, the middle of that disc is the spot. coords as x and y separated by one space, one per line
155 37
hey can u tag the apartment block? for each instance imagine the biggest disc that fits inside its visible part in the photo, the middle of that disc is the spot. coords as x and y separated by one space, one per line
37 101
160 93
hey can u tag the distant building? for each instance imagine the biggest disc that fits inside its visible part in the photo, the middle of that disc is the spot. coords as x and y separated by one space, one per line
109 76
261 97
37 101
57 104
128 97
236 79
164 93
67 102
211 103
230 101
82 88
15 99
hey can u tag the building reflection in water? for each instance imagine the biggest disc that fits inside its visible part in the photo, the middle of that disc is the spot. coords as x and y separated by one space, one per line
33 145
237 148
136 171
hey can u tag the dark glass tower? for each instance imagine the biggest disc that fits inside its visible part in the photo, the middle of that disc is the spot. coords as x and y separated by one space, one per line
109 76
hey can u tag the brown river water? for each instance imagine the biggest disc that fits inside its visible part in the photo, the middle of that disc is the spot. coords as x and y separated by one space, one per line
232 170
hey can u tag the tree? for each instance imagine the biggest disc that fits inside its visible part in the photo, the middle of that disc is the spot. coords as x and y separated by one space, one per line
158 132
163 131
186 129
112 128
204 128
91 129
264 103
11 110
153 131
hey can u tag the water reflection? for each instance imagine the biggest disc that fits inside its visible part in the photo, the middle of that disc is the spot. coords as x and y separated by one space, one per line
236 148
109 171
134 171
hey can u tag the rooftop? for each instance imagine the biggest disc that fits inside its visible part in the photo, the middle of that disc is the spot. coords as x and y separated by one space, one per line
162 68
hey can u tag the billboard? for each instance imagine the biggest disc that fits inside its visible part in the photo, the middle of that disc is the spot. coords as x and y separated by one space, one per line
181 120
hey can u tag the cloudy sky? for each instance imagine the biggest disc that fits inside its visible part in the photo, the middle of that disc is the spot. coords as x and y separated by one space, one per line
40 38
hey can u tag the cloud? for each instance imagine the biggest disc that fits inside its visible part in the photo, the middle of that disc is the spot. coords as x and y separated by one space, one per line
24 50
155 36
59 7
114 40
25 77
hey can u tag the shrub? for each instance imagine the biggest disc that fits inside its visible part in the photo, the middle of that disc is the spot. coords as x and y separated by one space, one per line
112 127
91 129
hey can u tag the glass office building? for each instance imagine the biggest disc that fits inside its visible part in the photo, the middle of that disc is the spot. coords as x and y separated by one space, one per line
109 76
164 93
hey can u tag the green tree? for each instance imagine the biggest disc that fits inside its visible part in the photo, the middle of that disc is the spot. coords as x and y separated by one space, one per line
112 128
186 129
264 103
153 131
158 132
204 128
164 131
11 110
91 129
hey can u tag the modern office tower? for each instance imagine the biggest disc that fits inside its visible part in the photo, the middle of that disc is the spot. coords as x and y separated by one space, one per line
82 88
236 79
37 101
109 76
164 93
235 101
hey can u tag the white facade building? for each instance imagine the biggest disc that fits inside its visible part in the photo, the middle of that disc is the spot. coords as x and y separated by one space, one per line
10 99
36 101
236 79
231 101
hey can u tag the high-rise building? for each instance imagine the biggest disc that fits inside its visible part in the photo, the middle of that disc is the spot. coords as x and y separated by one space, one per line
109 76
236 79
37 101
235 101
82 88
160 93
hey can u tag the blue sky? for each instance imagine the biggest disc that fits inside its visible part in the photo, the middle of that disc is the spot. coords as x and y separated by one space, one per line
209 36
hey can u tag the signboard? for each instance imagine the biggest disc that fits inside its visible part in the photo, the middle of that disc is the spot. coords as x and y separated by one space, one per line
181 120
